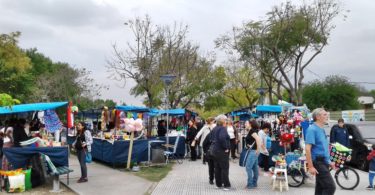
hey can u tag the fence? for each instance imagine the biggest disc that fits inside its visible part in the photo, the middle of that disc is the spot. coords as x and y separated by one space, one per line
369 115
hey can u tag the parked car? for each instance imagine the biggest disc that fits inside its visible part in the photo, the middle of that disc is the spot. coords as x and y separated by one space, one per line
362 138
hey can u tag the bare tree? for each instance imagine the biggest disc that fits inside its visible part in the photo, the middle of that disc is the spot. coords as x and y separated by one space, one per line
159 50
283 45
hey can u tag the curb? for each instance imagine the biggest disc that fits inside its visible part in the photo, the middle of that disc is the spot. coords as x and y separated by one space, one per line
67 186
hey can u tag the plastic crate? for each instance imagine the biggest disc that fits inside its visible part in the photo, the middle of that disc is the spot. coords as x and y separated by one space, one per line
290 157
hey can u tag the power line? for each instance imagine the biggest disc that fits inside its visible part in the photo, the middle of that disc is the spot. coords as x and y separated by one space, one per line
357 82
314 73
363 82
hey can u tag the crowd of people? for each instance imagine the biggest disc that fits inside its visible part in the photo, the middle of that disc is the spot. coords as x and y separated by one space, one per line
219 139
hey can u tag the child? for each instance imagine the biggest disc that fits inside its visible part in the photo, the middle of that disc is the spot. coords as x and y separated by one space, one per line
371 173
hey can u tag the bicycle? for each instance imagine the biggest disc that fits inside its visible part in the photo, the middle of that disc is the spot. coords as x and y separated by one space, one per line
346 177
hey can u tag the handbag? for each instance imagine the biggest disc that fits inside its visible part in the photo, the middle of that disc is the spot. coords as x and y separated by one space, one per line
88 156
244 154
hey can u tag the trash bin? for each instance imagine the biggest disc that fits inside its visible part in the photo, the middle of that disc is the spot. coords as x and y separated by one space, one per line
157 155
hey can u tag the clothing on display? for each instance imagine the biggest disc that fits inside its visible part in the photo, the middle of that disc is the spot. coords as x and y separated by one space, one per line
52 121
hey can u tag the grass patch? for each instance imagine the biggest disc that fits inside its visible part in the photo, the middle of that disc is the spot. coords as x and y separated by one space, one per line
154 173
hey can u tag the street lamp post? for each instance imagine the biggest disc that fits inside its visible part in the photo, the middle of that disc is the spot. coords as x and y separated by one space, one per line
167 79
261 91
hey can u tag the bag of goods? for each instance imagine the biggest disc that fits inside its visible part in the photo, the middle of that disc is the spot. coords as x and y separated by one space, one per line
339 154
16 183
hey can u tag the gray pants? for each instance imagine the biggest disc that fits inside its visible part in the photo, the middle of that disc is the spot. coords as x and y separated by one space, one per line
82 162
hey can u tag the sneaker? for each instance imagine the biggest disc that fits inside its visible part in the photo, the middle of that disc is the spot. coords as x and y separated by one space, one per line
369 188
82 180
226 188
216 187
211 182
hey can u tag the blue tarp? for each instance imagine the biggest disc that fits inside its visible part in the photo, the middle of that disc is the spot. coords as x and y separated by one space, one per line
19 157
31 107
118 151
175 112
133 108
153 112
269 108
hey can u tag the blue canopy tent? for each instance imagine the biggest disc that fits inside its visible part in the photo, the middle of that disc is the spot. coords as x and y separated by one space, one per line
262 109
244 113
171 112
133 108
31 107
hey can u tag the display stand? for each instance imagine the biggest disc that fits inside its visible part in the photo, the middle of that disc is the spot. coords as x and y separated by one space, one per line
130 150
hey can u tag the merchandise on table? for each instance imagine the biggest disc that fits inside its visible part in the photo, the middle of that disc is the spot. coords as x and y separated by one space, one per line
339 154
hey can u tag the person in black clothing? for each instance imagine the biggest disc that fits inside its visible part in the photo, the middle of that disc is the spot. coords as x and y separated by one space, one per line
162 130
19 134
199 124
221 145
209 159
82 144
253 143
190 137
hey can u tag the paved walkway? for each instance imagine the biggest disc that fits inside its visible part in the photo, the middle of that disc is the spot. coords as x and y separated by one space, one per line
105 180
192 178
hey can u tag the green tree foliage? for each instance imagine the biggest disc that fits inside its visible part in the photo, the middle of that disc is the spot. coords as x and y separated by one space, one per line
58 81
85 103
14 65
242 82
30 76
372 93
7 100
333 93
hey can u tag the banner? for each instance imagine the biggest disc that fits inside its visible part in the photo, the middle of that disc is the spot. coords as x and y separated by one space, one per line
353 115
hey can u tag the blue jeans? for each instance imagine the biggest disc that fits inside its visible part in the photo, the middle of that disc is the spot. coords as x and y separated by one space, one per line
371 178
252 169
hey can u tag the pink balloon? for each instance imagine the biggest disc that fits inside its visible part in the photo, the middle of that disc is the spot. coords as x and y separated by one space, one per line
126 121
138 124
131 127
138 127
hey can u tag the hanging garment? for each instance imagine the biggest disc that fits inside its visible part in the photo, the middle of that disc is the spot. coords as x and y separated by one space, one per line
52 121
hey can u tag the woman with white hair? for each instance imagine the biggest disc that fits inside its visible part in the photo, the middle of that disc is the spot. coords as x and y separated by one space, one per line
221 145
202 134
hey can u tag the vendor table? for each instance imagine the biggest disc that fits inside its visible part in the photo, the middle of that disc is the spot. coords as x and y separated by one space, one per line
19 157
117 151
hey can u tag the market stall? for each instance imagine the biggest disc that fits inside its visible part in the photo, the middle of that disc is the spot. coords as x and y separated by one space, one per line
19 157
281 136
116 152
42 143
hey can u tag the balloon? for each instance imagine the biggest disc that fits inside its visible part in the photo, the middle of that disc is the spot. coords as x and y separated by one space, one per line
126 121
138 124
131 127
139 121
74 109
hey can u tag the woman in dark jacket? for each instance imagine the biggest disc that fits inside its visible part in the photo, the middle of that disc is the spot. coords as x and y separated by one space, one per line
190 137
82 145
253 143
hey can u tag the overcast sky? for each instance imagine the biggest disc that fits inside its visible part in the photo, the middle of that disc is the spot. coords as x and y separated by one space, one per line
80 32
